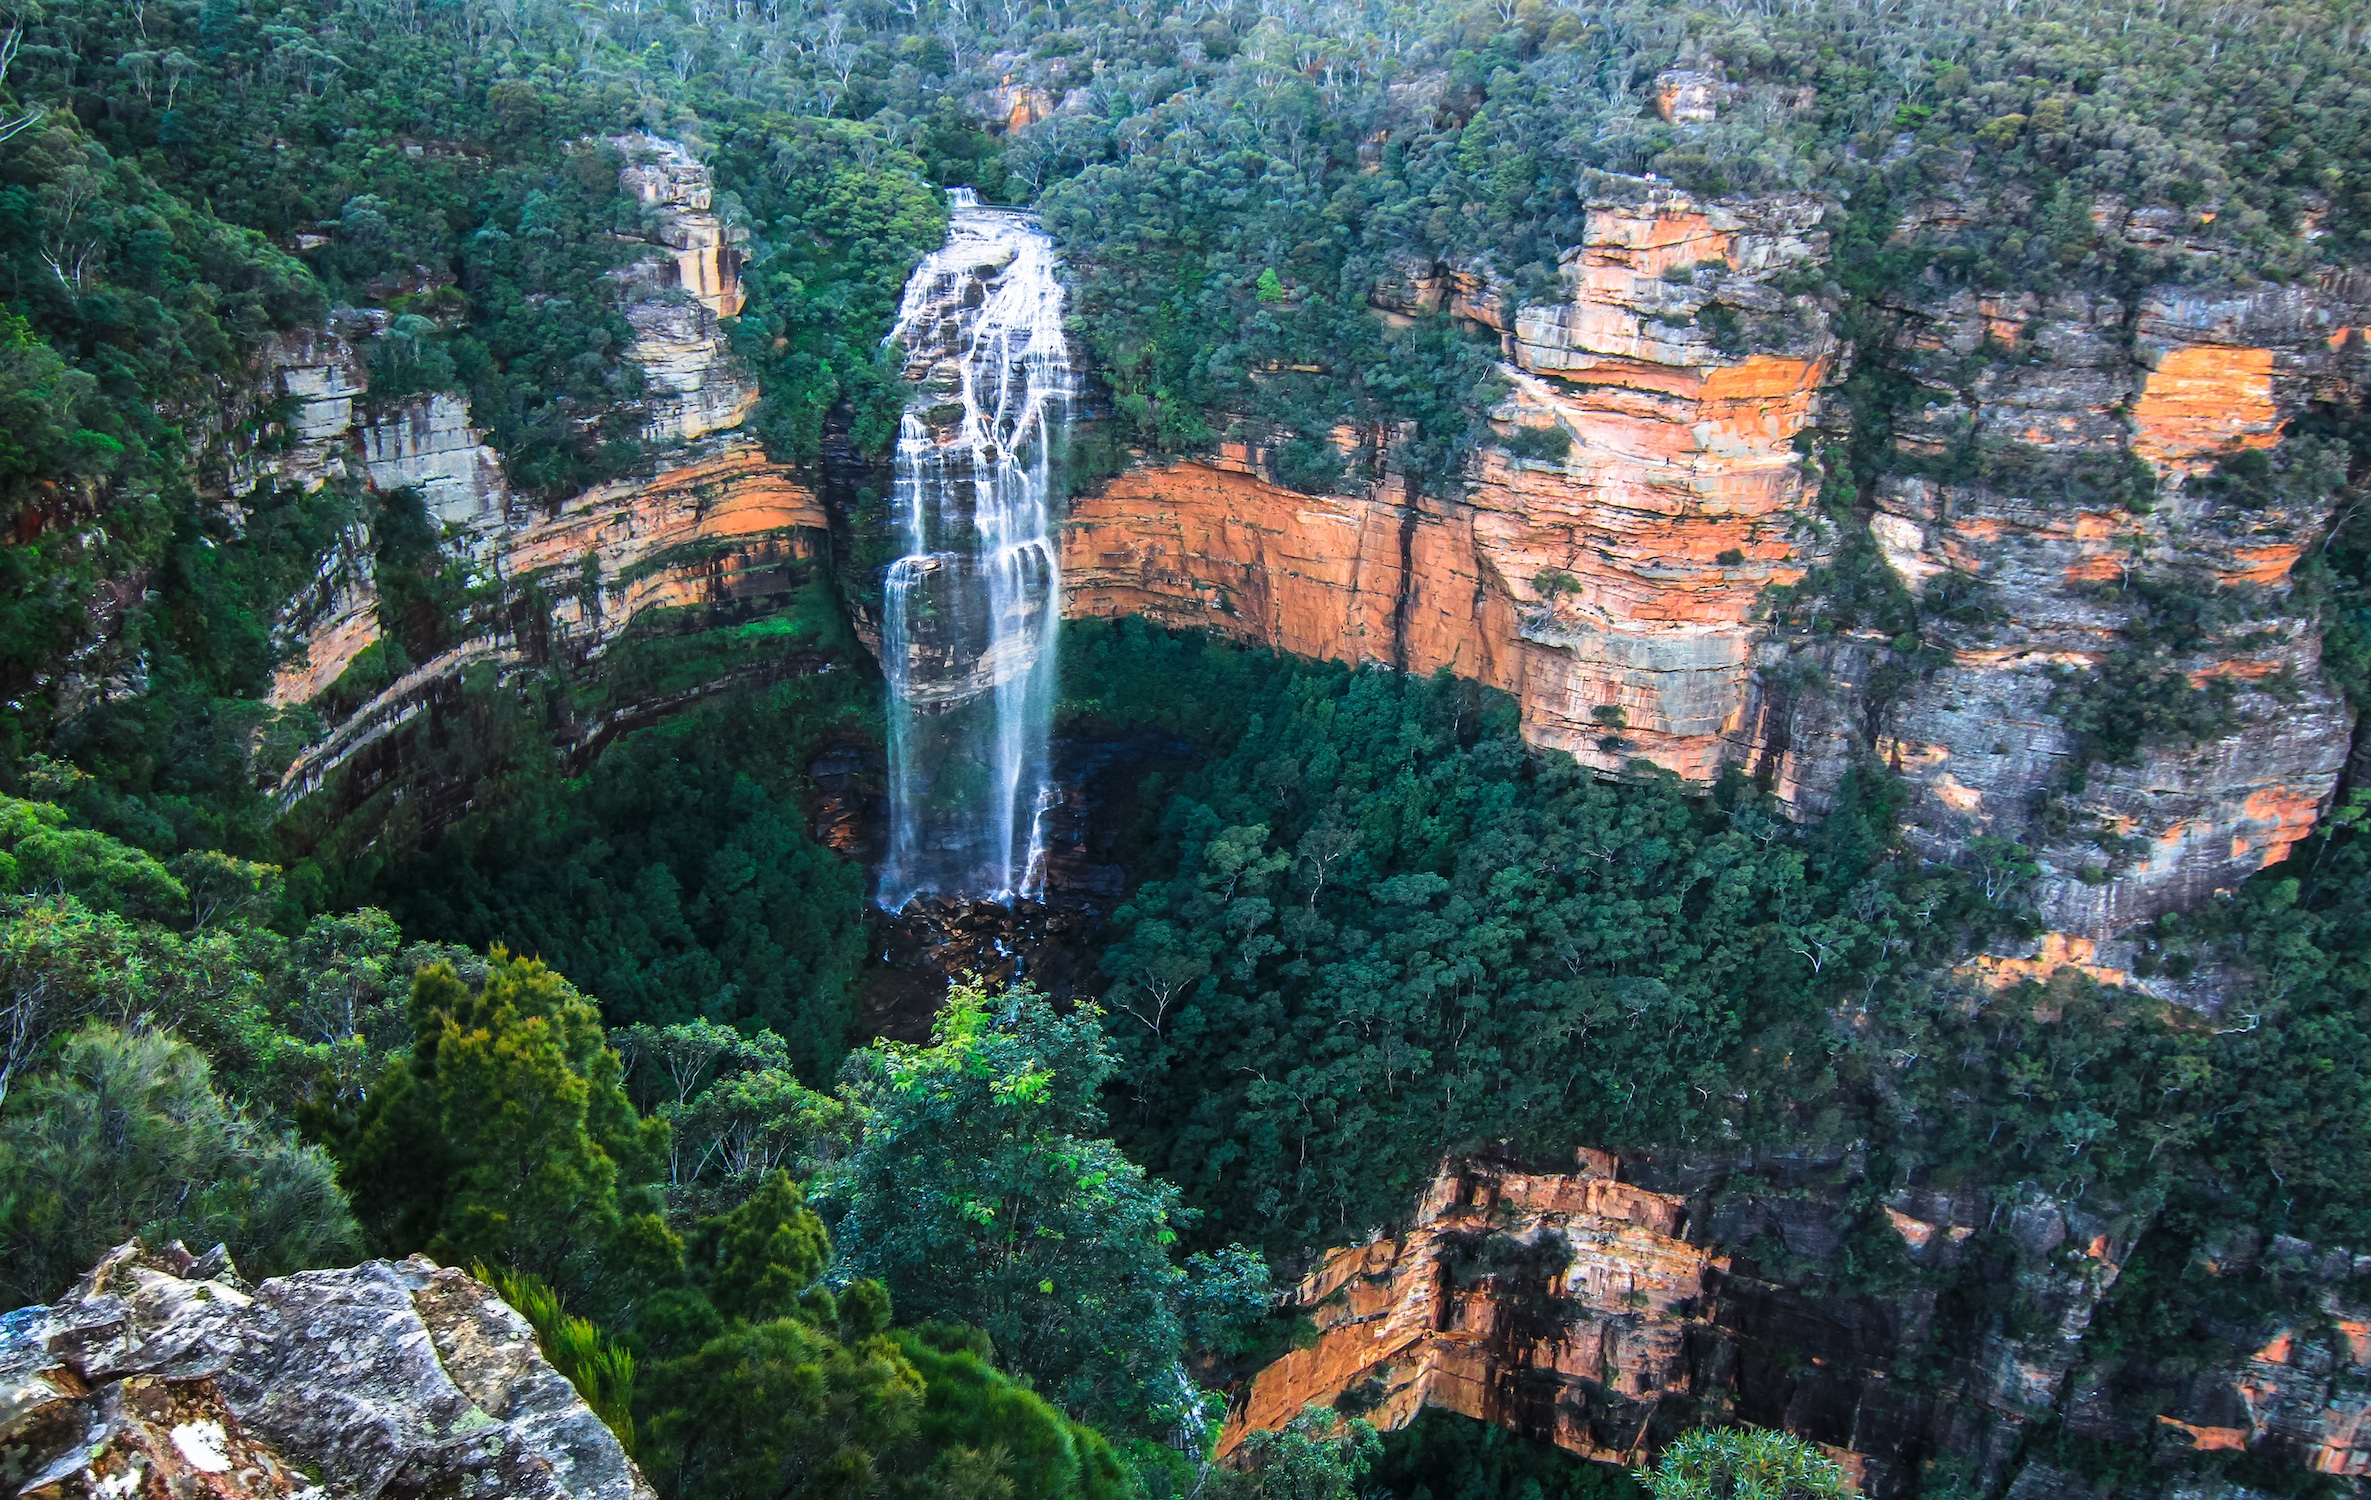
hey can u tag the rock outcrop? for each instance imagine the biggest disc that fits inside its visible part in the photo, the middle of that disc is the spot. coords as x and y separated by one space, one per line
1609 1308
428 444
712 522
2054 453
1611 590
678 297
160 1375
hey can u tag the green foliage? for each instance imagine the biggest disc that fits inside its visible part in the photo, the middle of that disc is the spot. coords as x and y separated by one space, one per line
980 1191
985 1426
735 1111
63 965
841 217
2141 696
769 1378
758 1260
773 1408
543 356
124 1135
2126 705
1746 1464
1443 1455
679 880
601 1371
1393 930
1316 1456
1189 321
505 1136
1539 444
41 855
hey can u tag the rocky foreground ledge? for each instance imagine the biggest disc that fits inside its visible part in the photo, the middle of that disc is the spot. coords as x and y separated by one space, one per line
163 1374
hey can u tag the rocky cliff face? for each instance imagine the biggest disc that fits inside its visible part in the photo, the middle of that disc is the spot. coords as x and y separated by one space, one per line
163 1376
2048 456
1620 577
713 522
1609 1308
2173 382
680 294
728 526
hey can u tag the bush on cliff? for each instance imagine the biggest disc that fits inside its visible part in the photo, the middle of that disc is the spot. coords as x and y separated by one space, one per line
125 1135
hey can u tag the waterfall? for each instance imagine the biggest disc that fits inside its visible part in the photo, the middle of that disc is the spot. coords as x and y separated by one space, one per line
971 609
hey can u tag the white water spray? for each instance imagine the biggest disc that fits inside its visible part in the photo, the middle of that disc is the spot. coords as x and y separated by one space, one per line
972 608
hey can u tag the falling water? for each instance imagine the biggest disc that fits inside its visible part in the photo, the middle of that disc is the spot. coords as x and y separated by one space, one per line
973 605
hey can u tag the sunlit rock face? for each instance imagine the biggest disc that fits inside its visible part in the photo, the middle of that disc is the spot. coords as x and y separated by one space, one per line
1610 591
1619 592
1608 1308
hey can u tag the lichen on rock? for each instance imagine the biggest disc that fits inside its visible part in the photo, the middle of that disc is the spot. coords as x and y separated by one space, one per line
162 1374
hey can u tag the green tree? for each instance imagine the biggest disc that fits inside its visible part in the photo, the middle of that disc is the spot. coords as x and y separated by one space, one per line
981 1191
62 965
41 855
1746 1464
505 1135
125 1136
1319 1455
781 1408
758 1261
981 1425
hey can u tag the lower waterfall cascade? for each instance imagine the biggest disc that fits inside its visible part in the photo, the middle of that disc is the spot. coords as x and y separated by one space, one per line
973 607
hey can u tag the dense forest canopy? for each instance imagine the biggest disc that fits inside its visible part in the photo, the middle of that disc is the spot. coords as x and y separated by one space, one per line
593 1031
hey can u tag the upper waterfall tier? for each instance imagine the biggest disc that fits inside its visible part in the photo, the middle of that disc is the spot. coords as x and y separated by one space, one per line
972 608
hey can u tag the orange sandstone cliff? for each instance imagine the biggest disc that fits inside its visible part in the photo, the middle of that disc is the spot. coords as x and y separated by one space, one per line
2053 454
1621 577
1609 1308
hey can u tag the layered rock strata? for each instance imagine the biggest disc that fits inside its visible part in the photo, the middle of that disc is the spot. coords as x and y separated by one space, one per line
713 522
1610 590
728 525
2054 454
160 1375
1610 1308
428 444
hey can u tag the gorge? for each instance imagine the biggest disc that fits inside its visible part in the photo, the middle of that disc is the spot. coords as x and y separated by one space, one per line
1045 753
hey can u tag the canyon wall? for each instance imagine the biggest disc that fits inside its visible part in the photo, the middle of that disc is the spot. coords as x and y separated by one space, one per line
711 522
2048 456
1608 1308
1621 577
2174 382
